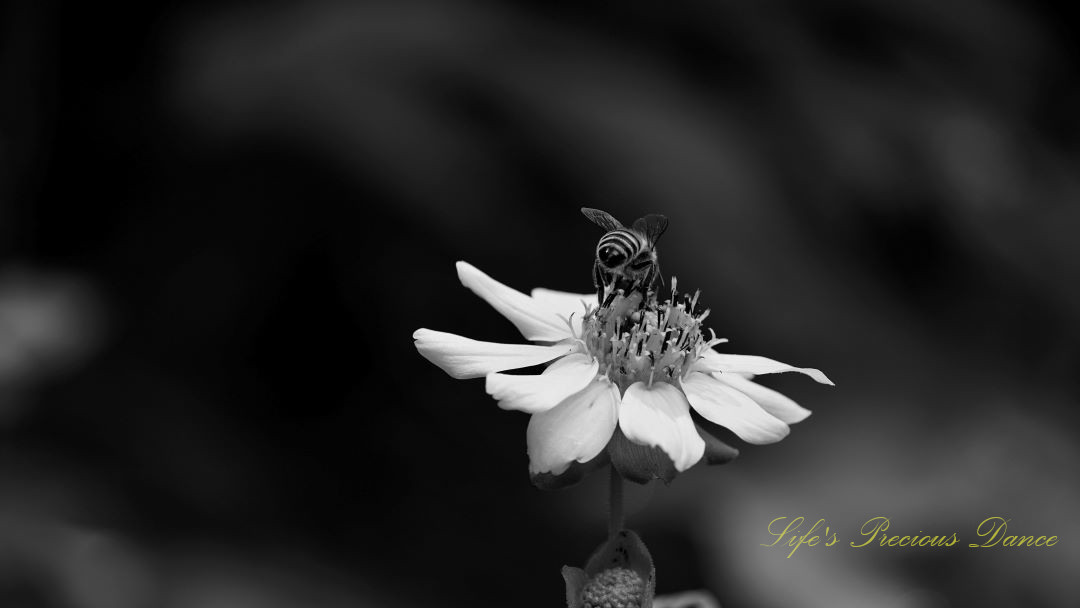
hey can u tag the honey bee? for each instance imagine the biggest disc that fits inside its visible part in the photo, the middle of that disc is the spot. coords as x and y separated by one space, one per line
625 257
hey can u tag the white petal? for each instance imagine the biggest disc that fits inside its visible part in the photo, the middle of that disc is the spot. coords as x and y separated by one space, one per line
723 405
464 358
577 429
538 393
565 302
536 320
659 416
771 401
571 306
713 361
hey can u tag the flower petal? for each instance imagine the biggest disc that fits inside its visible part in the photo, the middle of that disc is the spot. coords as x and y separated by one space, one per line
659 415
771 401
571 476
723 405
564 302
575 580
716 451
464 358
639 463
536 320
538 393
570 306
713 361
575 430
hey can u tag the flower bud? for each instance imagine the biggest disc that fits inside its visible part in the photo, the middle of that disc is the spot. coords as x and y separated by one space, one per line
620 574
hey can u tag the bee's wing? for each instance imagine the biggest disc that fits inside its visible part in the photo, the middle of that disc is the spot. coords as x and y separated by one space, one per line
602 219
652 226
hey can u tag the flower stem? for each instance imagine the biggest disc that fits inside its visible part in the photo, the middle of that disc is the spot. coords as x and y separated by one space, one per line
615 502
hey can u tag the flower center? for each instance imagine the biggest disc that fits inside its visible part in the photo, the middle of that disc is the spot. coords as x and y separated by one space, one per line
614 588
650 342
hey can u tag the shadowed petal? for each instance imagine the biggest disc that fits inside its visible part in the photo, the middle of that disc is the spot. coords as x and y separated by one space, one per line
571 476
538 393
660 416
639 463
575 580
464 358
536 320
713 361
575 430
723 405
771 401
716 451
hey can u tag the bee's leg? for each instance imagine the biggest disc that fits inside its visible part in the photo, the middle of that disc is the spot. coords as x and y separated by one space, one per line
622 286
609 295
655 281
645 285
598 282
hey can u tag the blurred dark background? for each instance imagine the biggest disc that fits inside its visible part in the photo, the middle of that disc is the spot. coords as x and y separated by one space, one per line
221 222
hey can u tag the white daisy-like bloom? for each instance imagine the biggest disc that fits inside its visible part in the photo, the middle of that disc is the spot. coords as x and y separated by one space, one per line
623 372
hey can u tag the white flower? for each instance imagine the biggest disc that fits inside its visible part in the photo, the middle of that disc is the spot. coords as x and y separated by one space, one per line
638 374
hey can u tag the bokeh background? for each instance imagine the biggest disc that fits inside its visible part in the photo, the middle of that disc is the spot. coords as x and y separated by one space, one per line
221 222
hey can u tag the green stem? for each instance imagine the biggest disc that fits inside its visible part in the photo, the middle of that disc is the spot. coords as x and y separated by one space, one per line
615 503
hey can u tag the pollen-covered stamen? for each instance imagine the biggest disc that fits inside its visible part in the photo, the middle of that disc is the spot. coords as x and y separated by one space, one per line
650 342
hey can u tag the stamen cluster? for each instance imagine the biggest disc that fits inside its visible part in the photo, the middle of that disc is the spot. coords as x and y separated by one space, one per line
648 342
